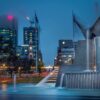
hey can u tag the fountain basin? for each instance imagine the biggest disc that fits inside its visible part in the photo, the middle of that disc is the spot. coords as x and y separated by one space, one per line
77 78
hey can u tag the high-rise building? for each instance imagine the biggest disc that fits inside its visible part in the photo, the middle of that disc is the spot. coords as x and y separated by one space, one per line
30 33
8 35
31 38
9 21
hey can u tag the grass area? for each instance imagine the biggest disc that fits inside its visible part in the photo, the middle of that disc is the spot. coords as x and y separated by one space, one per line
34 79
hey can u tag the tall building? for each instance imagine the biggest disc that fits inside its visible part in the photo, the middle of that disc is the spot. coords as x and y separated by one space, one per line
31 37
65 53
8 35
9 21
30 33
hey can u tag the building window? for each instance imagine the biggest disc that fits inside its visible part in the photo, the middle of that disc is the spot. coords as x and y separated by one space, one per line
63 42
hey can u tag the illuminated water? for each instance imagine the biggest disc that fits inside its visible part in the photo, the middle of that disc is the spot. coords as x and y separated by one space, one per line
30 92
61 80
14 81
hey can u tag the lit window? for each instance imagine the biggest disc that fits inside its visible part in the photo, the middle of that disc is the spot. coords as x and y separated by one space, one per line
25 50
63 42
66 61
70 56
4 30
30 48
63 55
39 59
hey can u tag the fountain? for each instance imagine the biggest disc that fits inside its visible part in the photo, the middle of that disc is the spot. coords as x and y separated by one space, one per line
14 81
97 49
82 79
44 80
61 79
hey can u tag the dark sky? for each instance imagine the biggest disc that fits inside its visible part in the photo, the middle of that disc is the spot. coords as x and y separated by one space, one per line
55 17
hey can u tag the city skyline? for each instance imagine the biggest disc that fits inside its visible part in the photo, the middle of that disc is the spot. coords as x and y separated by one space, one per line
55 18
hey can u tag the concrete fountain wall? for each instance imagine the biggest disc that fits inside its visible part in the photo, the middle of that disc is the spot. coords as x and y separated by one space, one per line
82 80
75 77
80 54
85 72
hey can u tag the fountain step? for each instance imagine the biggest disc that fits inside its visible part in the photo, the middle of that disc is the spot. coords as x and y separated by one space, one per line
51 81
51 78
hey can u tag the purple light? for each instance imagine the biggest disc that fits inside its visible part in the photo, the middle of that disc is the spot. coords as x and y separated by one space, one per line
10 17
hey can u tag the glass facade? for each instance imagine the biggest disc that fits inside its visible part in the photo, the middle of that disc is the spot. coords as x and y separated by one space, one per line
8 34
7 40
31 38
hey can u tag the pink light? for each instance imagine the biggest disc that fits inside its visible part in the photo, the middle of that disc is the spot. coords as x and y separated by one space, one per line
10 17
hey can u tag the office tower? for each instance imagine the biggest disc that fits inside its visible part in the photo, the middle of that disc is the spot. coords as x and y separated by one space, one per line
31 36
8 35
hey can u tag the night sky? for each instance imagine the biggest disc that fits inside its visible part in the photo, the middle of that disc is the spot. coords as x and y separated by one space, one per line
55 17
